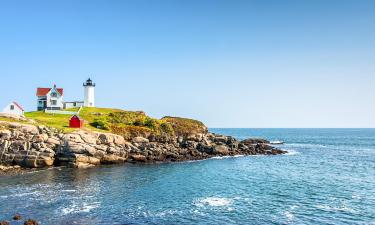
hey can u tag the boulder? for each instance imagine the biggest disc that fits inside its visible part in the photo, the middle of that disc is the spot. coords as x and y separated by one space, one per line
139 158
112 159
220 149
105 138
30 222
87 159
252 141
17 217
53 141
140 140
89 138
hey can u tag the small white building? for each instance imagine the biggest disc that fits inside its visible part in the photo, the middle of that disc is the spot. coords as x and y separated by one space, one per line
75 104
14 108
50 98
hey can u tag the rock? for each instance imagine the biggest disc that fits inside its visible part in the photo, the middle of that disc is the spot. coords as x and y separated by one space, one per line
139 158
220 149
118 140
82 165
17 217
252 141
30 222
140 140
5 134
112 159
73 137
30 146
105 138
87 159
53 141
220 138
3 222
89 138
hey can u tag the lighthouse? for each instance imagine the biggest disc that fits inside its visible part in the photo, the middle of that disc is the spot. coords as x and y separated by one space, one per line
89 87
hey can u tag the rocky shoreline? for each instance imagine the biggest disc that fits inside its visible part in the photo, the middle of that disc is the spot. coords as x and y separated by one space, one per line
30 146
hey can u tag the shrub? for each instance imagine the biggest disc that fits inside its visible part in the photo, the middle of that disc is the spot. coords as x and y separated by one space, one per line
185 127
167 128
101 123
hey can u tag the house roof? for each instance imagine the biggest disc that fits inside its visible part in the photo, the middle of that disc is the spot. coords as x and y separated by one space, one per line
44 91
75 117
18 105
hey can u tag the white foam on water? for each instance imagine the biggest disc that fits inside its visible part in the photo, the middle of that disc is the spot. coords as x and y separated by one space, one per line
356 197
300 145
292 152
342 208
289 215
80 208
227 157
214 201
68 190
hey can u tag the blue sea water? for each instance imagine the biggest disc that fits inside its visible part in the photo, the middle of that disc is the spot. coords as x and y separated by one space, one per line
328 177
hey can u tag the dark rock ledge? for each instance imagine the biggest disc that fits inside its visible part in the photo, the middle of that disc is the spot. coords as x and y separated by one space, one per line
29 146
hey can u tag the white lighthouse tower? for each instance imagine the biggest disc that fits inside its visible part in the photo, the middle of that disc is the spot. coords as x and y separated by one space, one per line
89 93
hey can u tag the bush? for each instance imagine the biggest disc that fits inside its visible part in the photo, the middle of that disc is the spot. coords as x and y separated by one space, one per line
129 131
185 127
167 128
101 124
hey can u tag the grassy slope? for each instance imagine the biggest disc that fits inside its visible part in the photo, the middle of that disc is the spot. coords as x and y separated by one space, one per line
125 123
61 121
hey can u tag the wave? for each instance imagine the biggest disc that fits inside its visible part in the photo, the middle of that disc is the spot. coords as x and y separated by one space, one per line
306 145
84 208
214 201
292 152
227 157
342 208
289 215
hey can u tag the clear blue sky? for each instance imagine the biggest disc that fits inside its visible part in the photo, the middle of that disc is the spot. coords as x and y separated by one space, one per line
228 63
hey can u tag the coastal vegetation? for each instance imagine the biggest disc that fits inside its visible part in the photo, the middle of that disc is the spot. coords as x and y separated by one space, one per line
128 124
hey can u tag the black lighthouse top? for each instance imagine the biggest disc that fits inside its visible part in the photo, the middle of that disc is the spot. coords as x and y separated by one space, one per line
89 83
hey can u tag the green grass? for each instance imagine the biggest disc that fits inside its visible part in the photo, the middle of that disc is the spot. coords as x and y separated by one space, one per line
58 121
61 121
125 123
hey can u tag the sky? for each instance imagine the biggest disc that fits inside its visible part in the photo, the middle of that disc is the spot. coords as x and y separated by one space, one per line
245 64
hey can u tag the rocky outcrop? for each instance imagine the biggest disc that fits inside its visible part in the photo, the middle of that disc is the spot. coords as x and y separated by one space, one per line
85 149
29 146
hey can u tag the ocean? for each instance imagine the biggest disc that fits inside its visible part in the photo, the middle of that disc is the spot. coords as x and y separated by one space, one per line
328 177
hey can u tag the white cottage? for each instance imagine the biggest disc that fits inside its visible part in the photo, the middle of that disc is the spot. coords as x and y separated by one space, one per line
14 108
50 98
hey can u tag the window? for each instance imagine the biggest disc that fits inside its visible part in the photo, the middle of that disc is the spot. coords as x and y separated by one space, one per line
54 94
53 102
11 107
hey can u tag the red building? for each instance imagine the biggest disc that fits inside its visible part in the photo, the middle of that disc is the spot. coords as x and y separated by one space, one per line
76 122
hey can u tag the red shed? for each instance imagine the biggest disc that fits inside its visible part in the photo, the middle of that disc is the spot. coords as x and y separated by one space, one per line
76 122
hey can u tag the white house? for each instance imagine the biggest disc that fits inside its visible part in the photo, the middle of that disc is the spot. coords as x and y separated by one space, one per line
50 98
14 108
53 98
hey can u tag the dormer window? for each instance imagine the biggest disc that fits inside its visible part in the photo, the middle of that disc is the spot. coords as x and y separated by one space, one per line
11 107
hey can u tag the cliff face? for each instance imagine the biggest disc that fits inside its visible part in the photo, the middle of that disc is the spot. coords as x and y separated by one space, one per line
32 146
